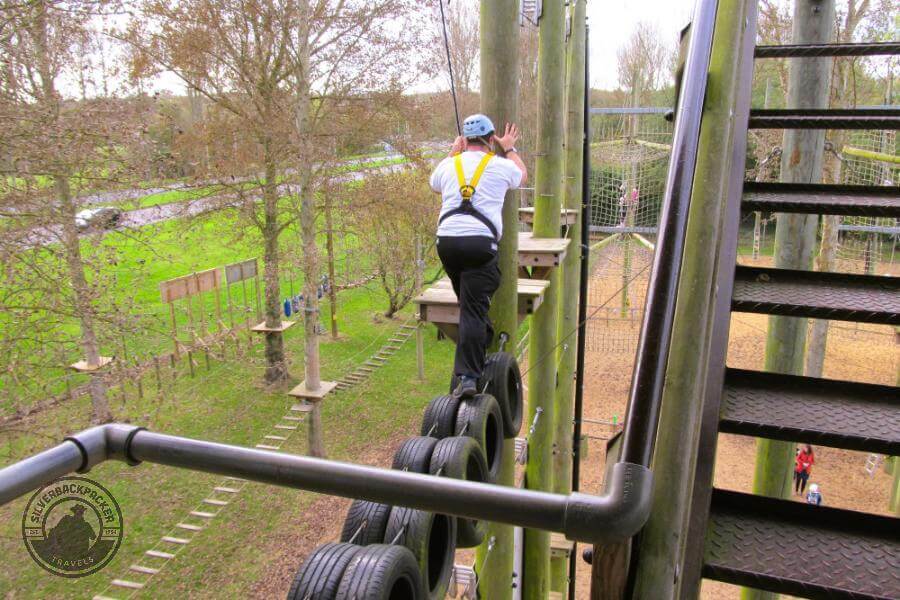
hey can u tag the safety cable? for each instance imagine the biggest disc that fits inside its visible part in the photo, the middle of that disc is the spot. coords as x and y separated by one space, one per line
450 66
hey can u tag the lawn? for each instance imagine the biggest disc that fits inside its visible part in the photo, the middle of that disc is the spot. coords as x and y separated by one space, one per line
227 403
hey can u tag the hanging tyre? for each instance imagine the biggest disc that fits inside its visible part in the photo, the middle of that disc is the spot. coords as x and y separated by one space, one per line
439 420
504 382
414 454
382 572
502 379
321 573
479 418
431 537
365 522
462 458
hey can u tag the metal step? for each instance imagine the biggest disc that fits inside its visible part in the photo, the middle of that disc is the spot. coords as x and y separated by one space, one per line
860 49
848 200
812 118
802 550
840 414
841 296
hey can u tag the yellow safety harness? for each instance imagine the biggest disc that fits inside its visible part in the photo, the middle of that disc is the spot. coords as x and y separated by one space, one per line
467 190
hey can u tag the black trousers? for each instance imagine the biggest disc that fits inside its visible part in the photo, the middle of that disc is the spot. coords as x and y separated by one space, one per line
800 479
471 263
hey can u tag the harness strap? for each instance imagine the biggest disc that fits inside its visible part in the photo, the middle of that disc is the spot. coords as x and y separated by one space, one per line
467 190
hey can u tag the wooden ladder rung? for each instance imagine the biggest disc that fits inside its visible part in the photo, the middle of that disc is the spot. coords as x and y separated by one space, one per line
202 514
267 447
188 526
132 585
279 438
227 490
159 554
215 502
289 427
175 540
143 569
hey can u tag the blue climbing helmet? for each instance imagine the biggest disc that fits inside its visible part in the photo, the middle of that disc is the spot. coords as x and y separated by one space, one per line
477 126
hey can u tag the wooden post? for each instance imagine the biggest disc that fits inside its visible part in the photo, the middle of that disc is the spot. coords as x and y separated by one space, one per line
542 354
571 270
499 24
174 327
809 81
661 542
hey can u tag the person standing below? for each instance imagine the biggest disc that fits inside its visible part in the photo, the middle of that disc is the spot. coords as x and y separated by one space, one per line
814 496
805 460
473 182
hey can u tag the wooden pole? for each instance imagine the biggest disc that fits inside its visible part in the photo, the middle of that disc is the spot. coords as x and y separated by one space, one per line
571 270
661 542
174 328
499 24
542 353
809 81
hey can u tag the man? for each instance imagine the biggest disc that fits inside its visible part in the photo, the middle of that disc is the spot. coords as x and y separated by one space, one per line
473 182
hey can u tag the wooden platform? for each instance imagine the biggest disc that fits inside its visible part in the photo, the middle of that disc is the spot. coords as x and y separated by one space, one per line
559 546
261 328
439 305
313 395
567 216
82 366
540 254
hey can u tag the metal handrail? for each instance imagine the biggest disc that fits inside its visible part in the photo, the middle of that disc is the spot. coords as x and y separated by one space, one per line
618 514
645 399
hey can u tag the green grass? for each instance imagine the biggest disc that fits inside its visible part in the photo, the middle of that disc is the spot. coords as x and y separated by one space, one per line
164 251
226 404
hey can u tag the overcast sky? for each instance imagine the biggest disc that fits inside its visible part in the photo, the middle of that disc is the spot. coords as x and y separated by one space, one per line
612 21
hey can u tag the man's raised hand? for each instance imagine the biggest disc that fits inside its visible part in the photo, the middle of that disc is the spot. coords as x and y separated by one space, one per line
509 138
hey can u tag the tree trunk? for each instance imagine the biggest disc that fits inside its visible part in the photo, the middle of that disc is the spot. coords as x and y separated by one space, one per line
329 249
809 81
308 233
84 307
276 364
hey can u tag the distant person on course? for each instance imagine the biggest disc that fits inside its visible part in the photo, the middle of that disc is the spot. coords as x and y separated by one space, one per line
805 460
473 182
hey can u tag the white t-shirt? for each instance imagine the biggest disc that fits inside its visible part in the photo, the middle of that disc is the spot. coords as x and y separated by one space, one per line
500 175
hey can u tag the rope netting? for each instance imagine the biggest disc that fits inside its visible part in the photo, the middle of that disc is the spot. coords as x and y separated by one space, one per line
867 244
629 158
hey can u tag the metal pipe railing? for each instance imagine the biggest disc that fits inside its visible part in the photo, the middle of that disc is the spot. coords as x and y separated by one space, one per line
645 399
618 514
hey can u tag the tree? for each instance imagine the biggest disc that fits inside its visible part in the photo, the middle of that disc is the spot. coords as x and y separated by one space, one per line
462 34
278 75
390 226
58 147
643 62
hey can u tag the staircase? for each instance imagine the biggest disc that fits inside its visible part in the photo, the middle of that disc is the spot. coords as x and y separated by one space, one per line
773 544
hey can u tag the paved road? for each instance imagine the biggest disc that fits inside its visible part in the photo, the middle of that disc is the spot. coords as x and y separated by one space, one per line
150 215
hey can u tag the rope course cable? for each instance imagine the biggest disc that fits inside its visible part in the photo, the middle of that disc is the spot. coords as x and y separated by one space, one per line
450 66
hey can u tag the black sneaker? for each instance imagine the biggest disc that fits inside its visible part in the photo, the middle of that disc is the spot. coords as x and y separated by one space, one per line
467 388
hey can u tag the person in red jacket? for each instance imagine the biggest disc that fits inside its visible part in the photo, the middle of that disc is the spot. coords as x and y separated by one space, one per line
805 459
